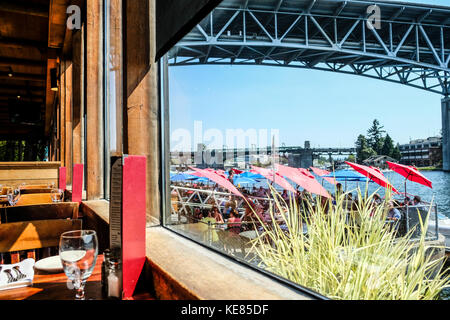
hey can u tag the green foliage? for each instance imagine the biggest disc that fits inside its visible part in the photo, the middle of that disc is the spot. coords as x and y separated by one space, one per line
375 136
350 257
396 153
388 146
376 144
363 149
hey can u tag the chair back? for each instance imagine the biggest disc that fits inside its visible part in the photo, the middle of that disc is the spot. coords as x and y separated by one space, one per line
18 237
34 190
61 210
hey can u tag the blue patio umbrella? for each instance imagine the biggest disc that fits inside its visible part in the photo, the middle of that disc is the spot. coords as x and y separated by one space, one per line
346 175
182 177
251 175
201 179
243 180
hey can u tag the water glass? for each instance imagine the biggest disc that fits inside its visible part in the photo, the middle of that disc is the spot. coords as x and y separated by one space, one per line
78 252
13 196
57 195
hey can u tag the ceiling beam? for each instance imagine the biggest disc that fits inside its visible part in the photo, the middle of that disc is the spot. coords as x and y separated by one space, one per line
21 87
23 76
6 61
57 23
28 9
22 43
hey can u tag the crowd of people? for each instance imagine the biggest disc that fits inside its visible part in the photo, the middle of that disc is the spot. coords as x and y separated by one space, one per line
258 207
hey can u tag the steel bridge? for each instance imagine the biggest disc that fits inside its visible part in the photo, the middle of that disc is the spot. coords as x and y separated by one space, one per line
396 41
298 156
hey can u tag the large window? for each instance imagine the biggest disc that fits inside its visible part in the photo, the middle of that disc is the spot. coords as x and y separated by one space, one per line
254 131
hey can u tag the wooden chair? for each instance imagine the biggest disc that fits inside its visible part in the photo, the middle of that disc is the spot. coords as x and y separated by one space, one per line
62 210
34 190
20 240
37 198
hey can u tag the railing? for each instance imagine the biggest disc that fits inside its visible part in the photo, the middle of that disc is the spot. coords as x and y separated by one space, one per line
191 197
188 198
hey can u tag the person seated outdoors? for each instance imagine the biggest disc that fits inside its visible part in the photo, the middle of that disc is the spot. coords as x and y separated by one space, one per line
338 192
394 215
234 222
198 215
377 199
285 195
216 215
416 201
261 192
231 204
406 201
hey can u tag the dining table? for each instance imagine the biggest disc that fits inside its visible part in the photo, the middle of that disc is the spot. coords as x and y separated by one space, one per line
55 286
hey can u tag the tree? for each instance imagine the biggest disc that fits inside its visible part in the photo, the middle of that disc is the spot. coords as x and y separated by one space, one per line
363 149
351 158
375 136
388 147
396 154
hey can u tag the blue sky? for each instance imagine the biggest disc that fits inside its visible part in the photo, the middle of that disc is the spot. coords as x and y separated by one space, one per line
328 109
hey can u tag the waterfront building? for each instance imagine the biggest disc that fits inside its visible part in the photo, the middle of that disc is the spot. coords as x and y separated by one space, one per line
422 152
378 161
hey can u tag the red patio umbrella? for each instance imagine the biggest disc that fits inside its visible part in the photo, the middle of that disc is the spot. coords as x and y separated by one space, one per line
410 173
321 173
279 180
303 178
374 175
218 179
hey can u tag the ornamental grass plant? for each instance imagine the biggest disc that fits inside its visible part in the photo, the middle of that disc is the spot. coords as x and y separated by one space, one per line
350 256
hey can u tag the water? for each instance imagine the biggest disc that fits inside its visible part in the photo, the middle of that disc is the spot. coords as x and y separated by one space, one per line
78 264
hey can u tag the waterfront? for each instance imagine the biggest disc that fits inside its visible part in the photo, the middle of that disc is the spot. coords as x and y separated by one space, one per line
440 194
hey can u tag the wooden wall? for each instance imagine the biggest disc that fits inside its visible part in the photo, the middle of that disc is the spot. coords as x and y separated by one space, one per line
29 172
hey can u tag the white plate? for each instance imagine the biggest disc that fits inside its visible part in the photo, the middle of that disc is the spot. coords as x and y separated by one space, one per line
50 264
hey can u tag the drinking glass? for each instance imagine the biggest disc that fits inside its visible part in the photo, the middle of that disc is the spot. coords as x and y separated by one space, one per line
13 195
78 252
57 195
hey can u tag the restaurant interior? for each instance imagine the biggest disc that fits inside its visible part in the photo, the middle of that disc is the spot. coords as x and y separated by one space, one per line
80 122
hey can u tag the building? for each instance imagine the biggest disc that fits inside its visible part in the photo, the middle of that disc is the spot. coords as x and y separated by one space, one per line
422 152
378 161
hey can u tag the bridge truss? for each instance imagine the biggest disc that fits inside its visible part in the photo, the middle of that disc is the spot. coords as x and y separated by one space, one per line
411 47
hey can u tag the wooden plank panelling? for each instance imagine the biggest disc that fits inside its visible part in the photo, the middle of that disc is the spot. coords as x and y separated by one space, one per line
94 99
29 172
143 115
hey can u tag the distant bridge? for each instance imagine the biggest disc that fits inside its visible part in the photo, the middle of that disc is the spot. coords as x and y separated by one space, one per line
300 157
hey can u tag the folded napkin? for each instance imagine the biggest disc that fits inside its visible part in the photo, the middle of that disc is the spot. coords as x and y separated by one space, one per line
17 275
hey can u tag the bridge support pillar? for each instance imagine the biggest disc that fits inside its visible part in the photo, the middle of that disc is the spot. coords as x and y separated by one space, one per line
446 134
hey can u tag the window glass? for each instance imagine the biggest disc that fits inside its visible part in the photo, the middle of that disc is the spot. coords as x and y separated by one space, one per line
254 132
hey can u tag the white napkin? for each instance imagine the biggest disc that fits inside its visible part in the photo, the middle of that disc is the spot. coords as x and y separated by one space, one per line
16 275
